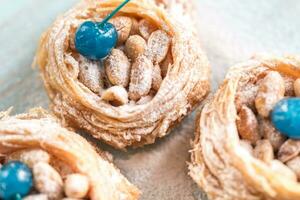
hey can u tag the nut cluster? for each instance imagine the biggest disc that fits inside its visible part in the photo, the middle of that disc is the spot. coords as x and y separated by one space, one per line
134 70
53 179
254 103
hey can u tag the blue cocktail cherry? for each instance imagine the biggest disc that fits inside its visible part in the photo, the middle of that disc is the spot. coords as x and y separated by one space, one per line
286 117
95 40
15 180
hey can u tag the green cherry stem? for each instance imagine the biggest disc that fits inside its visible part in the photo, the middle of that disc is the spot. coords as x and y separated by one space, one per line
109 16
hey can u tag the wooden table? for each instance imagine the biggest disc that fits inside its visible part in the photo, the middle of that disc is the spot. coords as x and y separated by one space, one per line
230 30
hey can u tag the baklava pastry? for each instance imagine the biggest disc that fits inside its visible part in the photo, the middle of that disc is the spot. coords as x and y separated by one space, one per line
41 160
247 136
155 75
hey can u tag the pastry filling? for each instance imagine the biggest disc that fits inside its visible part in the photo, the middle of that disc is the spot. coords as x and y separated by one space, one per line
268 110
133 71
33 174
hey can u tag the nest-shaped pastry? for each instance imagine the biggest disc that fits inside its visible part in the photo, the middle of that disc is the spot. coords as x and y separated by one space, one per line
60 159
154 77
237 152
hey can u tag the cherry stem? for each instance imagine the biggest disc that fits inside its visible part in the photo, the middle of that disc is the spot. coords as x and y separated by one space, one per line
109 16
18 197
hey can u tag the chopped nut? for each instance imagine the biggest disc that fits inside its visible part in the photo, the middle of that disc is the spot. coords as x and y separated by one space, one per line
156 78
158 46
146 28
135 46
270 91
264 151
297 87
247 125
141 78
166 63
117 95
270 133
283 170
247 145
29 156
89 74
36 197
144 100
135 27
294 165
76 186
117 67
123 25
289 150
47 181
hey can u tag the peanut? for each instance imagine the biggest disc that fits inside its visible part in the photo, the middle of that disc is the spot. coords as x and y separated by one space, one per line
72 33
282 169
117 95
71 41
76 186
294 165
289 86
146 28
144 100
29 156
247 125
62 168
123 25
141 78
247 145
135 46
297 87
36 197
166 64
89 74
270 91
264 151
158 46
270 133
156 78
289 150
104 78
121 48
135 27
117 67
246 96
47 181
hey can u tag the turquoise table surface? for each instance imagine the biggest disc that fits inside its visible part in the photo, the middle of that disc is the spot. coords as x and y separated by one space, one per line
230 31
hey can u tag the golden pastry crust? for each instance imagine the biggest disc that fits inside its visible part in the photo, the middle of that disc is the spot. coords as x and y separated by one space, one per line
221 164
182 89
39 130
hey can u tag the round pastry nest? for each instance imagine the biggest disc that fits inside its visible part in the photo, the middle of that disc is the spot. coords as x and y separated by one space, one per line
38 130
182 89
221 165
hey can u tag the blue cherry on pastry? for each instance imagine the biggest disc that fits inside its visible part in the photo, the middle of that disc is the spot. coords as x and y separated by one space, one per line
286 117
15 180
95 40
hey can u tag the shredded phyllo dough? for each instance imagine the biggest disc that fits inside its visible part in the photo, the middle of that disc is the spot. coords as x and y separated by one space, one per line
154 77
63 164
237 152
